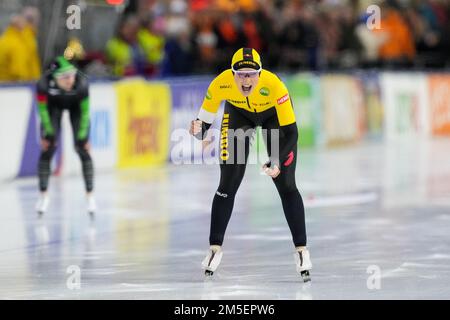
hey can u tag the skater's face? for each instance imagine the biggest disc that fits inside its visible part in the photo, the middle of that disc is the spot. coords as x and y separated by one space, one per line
246 80
66 81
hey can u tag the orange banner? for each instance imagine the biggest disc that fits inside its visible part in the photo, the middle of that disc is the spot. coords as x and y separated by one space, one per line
439 93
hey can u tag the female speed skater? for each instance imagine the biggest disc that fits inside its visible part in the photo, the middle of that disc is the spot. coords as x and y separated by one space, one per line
61 88
253 97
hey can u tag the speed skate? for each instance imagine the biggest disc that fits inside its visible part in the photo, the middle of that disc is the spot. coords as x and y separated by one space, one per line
212 261
303 264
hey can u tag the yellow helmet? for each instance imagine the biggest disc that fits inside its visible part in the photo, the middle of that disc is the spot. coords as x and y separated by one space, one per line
246 58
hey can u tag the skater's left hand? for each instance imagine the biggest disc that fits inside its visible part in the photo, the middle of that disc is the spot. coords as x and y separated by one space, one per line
84 144
271 171
87 146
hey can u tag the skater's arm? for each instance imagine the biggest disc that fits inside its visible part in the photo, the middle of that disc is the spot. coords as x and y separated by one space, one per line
212 99
199 128
286 155
84 108
290 133
43 109
84 119
209 108
283 105
288 126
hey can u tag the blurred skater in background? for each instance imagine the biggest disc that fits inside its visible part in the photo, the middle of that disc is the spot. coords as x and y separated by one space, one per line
61 88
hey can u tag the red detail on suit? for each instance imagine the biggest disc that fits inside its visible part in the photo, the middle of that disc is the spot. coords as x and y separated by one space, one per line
290 159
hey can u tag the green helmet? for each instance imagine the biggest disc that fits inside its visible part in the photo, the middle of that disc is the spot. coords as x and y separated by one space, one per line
61 66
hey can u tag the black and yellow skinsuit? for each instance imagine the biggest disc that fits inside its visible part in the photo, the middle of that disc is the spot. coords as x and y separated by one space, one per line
270 107
52 101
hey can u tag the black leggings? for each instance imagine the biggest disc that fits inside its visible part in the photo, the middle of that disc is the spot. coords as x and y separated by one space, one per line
232 171
80 147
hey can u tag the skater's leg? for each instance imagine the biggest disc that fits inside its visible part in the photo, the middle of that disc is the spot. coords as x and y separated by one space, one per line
235 143
295 216
79 119
292 202
48 148
81 137
222 206
82 148
47 151
291 199
236 133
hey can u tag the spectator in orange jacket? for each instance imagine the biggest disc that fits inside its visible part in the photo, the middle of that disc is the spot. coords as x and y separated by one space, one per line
399 43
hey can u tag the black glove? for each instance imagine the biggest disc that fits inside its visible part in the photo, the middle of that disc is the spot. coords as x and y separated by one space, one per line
272 163
201 135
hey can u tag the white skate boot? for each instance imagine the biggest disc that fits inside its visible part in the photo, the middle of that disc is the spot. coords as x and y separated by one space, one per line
212 260
91 204
42 204
303 264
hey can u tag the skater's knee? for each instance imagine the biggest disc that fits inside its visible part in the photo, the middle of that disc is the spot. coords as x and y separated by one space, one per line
48 143
82 148
230 182
47 153
228 189
225 193
286 187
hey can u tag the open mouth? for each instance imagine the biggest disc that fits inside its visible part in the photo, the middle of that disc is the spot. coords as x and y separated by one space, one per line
246 88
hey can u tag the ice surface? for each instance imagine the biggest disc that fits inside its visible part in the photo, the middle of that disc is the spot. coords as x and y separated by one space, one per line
382 205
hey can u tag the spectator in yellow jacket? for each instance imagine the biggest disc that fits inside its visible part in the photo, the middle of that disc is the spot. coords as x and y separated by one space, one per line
32 17
123 51
19 57
150 38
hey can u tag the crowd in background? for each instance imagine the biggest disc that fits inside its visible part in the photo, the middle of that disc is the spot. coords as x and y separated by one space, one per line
157 38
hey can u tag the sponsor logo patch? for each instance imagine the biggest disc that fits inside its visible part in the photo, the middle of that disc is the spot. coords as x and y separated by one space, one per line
264 91
283 99
223 195
53 92
224 154
290 159
244 63
225 86
237 101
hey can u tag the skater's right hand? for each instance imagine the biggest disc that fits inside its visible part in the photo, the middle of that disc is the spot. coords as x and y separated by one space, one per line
196 128
271 170
45 143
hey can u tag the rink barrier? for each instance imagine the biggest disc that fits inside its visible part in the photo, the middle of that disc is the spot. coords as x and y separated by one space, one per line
135 122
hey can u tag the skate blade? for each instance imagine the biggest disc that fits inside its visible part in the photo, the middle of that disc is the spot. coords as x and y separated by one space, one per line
305 276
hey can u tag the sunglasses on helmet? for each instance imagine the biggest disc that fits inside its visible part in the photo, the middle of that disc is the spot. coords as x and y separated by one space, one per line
247 73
